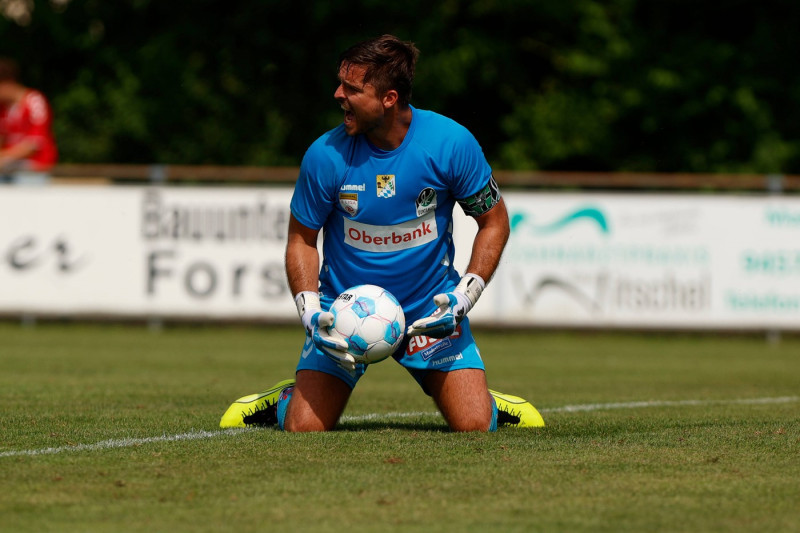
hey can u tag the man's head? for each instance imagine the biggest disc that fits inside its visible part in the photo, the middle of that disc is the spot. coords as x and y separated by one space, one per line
374 85
388 64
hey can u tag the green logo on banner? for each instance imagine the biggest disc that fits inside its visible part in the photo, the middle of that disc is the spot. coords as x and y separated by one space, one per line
591 214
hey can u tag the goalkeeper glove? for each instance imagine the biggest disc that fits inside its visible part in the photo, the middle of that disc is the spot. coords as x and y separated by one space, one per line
453 307
317 324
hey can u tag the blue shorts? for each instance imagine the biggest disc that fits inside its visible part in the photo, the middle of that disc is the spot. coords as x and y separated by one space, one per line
419 355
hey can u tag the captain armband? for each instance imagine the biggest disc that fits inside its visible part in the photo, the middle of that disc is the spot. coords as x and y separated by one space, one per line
482 201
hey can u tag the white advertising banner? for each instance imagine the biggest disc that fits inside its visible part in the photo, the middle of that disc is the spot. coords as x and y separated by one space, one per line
573 259
160 251
648 261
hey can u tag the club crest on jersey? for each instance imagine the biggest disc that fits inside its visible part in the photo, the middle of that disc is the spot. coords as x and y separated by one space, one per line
426 201
385 185
349 202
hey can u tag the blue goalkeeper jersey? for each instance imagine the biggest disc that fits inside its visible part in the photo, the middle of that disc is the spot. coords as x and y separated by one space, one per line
387 216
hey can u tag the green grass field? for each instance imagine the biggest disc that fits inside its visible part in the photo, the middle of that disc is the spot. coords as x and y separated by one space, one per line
115 428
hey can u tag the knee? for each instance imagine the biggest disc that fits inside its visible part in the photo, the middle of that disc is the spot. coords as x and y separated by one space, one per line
304 424
471 423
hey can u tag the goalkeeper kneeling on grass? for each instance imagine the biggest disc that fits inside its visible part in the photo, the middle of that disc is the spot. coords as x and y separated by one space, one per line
383 186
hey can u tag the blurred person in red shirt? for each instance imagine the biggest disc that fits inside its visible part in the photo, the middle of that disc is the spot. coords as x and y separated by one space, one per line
27 144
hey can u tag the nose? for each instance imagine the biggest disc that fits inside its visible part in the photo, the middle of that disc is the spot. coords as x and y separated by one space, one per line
339 93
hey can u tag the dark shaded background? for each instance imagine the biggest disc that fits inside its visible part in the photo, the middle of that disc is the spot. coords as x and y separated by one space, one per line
641 85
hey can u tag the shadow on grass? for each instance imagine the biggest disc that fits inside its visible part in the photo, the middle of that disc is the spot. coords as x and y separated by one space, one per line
408 425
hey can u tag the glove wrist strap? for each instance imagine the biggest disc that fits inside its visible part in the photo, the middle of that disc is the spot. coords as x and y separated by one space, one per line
471 285
307 301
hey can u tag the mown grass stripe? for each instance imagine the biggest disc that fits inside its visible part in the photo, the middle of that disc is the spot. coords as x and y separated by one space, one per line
198 435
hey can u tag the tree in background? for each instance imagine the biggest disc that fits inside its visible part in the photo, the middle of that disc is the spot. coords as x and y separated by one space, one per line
646 85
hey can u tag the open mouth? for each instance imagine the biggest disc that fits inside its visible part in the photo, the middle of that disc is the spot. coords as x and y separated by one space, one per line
349 117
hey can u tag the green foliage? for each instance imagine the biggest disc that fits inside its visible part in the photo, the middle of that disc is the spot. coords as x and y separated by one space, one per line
657 85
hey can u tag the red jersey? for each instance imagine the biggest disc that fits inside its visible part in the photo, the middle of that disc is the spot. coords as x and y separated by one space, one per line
30 118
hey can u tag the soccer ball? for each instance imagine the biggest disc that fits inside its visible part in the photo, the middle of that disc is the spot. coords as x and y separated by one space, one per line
371 321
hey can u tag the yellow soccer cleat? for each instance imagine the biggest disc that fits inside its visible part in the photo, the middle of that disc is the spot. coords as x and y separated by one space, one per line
514 411
255 409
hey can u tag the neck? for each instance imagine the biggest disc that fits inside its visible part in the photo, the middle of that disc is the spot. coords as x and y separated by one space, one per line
391 133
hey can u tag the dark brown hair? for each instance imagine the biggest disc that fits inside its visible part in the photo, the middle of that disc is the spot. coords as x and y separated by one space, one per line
389 64
9 71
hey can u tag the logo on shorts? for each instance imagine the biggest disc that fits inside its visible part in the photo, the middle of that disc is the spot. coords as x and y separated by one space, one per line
349 202
427 347
449 359
426 201
307 347
385 185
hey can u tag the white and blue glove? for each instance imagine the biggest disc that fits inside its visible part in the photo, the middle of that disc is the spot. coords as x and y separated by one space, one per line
317 323
453 307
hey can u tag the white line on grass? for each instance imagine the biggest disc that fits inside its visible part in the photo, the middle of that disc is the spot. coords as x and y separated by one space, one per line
596 407
198 435
122 443
667 403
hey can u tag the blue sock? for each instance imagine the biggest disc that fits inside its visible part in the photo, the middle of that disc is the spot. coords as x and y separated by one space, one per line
493 424
283 403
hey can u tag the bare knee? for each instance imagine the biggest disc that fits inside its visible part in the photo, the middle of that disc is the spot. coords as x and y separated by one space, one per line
470 423
317 402
463 398
304 424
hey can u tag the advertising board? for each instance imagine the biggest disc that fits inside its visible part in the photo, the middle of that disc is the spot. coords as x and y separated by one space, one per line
647 260
155 251
685 261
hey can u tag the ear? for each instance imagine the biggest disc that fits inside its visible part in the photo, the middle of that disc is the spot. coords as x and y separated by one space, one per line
389 99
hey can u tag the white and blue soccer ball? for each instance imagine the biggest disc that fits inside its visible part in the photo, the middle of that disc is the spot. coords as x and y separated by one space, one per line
371 321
